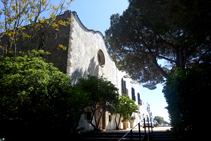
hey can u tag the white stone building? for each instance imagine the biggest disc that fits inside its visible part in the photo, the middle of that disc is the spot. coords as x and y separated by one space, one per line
86 53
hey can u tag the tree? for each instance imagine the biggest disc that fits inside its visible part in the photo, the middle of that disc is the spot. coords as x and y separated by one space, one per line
23 20
128 107
36 98
187 93
125 108
191 17
160 120
102 94
149 31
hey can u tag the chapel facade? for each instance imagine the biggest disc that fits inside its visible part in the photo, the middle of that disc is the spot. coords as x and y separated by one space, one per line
86 53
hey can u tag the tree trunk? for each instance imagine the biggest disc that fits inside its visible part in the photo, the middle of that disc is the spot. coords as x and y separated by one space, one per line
98 122
95 118
117 122
180 58
93 113
117 127
159 68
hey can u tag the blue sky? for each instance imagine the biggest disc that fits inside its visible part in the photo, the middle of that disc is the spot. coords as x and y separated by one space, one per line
95 14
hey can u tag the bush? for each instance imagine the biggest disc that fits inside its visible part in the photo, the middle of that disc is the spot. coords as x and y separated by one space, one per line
126 107
187 94
102 94
36 95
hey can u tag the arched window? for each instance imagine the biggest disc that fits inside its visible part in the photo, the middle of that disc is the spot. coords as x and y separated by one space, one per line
101 58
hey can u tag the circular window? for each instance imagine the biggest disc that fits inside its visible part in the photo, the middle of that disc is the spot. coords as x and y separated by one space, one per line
101 58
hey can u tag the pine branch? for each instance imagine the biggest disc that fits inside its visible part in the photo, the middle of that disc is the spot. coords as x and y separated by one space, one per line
166 58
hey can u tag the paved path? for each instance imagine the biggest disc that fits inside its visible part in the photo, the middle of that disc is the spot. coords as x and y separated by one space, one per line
159 134
142 129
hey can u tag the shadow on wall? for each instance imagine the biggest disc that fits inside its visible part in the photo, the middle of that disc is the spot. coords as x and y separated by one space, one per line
109 126
84 123
93 69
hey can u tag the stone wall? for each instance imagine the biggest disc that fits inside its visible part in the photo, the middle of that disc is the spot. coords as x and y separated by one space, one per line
83 54
48 39
82 57
129 85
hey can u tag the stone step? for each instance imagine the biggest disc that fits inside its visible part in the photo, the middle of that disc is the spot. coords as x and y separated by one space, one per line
162 136
111 136
110 139
163 139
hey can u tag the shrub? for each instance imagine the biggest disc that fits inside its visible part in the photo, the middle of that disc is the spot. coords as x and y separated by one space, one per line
187 93
102 95
38 96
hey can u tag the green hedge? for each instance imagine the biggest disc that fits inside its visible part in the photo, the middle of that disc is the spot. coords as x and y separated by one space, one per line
187 94
38 95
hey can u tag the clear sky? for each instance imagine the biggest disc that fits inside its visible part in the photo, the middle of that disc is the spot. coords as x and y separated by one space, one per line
95 14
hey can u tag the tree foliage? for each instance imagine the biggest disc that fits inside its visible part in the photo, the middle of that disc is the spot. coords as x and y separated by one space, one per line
160 120
39 96
148 31
192 17
187 94
23 19
125 108
102 94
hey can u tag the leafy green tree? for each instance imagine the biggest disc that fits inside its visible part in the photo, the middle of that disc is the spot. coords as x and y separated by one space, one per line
160 120
153 30
191 16
23 21
102 94
187 93
38 96
125 108
117 112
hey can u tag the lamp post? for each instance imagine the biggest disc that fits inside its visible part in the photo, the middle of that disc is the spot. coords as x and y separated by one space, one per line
148 124
151 123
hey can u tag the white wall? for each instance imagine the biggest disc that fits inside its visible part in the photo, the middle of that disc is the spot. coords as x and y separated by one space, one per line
129 86
143 110
83 59
83 53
